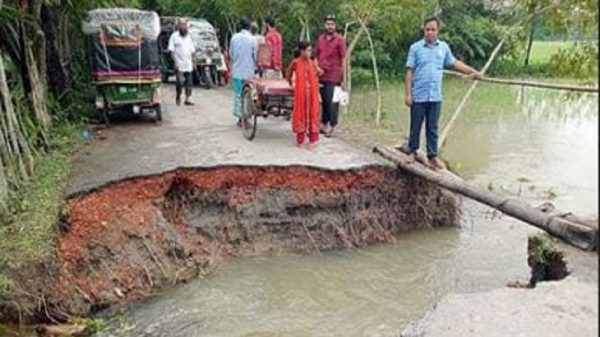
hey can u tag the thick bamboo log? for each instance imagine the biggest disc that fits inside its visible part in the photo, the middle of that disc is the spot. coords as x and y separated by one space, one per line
576 234
556 86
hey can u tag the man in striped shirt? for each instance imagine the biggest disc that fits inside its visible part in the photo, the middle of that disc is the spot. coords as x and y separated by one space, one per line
426 61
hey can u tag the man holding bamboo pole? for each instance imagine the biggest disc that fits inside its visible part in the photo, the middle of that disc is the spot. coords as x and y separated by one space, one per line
427 59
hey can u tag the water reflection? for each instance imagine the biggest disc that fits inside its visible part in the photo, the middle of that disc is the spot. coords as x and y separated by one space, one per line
542 146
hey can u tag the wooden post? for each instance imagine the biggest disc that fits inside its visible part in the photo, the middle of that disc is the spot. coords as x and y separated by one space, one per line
576 234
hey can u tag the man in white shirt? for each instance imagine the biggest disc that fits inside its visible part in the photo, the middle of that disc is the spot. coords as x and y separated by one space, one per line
182 51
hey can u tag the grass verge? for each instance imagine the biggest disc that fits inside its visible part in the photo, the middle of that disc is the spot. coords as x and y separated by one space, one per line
27 225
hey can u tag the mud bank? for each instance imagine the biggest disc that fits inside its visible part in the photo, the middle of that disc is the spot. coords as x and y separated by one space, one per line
130 239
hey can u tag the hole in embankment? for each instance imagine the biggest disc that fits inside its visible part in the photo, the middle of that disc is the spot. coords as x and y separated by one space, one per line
127 240
547 263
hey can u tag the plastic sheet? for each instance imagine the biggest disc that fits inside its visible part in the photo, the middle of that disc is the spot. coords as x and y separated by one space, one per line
124 61
120 22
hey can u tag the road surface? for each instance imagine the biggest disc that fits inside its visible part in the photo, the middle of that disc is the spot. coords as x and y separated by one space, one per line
204 135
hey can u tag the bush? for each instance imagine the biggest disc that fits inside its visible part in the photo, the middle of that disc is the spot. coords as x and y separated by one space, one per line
579 61
510 67
362 76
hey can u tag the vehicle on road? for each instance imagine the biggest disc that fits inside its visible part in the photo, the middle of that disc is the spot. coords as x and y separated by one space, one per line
210 62
263 97
123 57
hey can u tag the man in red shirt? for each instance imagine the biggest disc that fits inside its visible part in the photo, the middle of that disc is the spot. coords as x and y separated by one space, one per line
275 44
330 59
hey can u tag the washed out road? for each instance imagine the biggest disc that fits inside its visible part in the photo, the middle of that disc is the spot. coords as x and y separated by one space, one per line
203 135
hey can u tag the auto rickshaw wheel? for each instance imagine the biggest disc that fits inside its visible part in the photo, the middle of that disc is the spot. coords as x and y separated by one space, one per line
249 115
158 114
195 78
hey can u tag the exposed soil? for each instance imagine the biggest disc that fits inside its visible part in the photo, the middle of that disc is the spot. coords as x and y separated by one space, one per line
128 240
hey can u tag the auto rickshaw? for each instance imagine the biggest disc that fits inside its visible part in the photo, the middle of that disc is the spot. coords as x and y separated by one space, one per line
123 56
210 61
209 57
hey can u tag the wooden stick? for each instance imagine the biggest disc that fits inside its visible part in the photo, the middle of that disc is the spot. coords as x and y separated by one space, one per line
465 98
576 234
557 86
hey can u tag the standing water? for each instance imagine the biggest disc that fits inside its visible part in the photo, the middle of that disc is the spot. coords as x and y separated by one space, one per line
536 144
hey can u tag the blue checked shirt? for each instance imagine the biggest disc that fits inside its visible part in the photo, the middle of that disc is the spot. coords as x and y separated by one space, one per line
242 49
428 60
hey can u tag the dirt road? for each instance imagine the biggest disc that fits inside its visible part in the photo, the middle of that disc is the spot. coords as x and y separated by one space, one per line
200 136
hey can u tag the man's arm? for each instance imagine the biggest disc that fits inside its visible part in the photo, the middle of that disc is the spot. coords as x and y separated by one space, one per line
451 62
319 70
411 63
465 69
408 80
194 52
171 49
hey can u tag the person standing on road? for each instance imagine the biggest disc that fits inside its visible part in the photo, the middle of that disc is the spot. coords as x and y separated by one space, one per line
426 61
302 76
242 49
274 44
331 55
182 52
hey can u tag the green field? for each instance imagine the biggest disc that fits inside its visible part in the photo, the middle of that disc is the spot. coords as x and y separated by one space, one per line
541 51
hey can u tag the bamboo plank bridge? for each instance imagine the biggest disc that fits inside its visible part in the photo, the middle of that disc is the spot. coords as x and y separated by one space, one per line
564 226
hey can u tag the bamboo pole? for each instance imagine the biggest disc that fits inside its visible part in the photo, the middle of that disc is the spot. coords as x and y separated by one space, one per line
485 67
576 234
556 86
466 97
375 71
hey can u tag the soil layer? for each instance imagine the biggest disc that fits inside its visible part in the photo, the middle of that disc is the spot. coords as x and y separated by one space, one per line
130 239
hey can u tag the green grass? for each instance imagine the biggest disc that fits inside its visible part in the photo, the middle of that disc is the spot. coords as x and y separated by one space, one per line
542 51
27 227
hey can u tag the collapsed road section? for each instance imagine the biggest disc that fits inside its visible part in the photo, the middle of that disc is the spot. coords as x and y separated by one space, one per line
129 239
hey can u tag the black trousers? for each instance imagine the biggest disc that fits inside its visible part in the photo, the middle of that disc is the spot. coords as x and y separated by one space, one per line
183 80
329 110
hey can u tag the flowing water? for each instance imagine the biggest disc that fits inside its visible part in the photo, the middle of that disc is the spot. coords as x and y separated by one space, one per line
536 144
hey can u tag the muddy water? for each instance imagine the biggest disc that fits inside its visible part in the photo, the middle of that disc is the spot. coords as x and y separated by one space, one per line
540 145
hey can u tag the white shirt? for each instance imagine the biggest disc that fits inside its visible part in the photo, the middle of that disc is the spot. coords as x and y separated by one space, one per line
183 49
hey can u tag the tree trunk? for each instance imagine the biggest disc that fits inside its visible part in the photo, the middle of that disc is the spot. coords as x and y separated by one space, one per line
304 33
57 79
530 40
375 72
3 180
16 148
576 234
348 59
33 83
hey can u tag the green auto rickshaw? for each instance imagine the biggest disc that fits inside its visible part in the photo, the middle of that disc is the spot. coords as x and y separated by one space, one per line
123 57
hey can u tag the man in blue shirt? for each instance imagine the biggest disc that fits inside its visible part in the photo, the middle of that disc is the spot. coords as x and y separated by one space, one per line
427 59
242 49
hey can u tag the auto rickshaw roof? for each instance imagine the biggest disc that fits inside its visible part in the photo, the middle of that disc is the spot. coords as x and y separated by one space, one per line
148 22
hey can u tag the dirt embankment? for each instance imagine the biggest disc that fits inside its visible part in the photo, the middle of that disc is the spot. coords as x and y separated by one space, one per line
128 240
